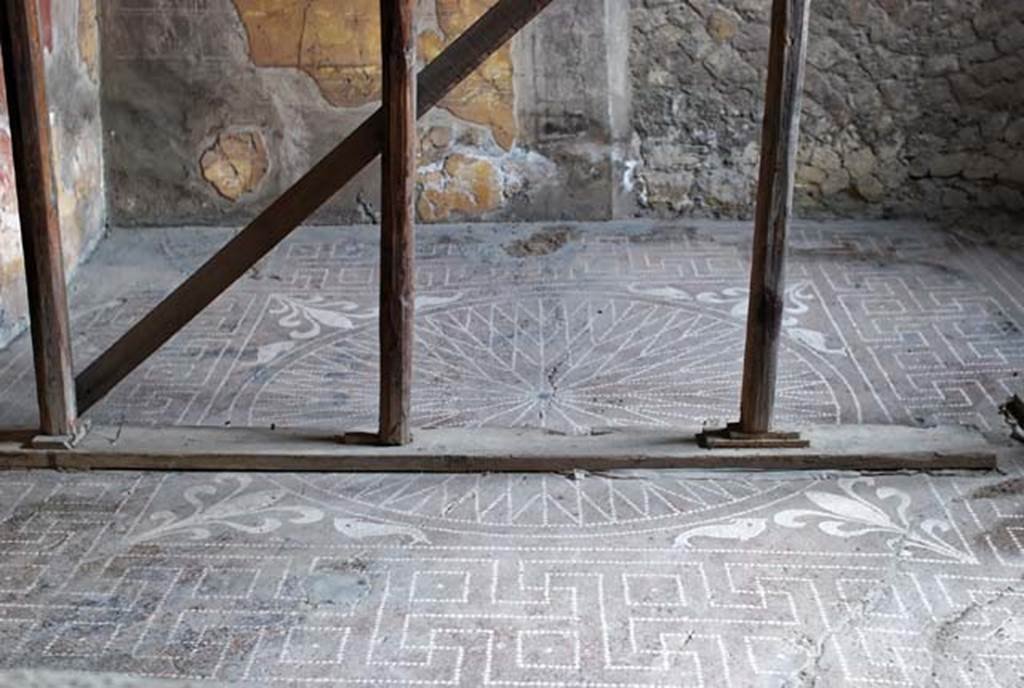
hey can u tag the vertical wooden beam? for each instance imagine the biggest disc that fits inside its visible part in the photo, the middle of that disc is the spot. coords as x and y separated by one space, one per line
24 78
779 139
397 247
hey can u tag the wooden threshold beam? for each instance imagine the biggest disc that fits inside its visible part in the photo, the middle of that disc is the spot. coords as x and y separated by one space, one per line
398 213
24 79
855 447
779 140
284 215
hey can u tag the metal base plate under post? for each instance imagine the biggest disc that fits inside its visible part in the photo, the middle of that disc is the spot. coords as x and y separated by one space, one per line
733 438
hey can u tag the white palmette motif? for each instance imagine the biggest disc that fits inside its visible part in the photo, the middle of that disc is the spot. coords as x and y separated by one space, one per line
306 317
850 514
736 299
256 513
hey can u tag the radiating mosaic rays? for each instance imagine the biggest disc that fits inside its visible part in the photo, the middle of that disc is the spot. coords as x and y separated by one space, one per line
572 364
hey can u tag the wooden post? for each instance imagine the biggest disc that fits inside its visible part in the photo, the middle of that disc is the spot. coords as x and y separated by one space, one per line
397 246
779 139
24 79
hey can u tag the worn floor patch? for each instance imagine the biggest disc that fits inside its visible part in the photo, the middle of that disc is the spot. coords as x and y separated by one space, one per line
640 579
543 242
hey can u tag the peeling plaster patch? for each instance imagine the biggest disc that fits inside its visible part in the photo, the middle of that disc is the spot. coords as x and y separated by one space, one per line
336 43
469 184
461 185
235 164
435 143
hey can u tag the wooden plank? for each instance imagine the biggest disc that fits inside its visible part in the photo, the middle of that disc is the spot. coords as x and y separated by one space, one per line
862 448
779 140
398 197
314 189
24 78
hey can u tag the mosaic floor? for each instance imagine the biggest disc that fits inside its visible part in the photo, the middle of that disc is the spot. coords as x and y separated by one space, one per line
634 579
567 327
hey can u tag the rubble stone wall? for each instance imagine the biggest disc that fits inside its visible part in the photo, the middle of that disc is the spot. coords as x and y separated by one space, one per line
913 107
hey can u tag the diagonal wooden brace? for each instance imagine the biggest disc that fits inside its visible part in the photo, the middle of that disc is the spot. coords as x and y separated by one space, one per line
296 204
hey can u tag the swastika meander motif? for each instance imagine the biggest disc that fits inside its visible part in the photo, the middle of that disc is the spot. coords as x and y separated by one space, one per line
477 581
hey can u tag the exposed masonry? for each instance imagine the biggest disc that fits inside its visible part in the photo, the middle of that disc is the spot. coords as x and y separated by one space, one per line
912 107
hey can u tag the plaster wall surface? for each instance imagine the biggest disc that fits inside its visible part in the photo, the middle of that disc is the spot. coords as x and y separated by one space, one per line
71 37
212 109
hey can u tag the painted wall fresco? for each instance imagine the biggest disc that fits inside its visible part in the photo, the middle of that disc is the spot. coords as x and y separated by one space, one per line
71 41
12 283
212 109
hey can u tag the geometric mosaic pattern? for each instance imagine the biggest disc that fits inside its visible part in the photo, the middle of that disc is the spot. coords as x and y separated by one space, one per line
639 579
625 325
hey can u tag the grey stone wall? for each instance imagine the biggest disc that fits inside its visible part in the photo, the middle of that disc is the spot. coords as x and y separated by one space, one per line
913 107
